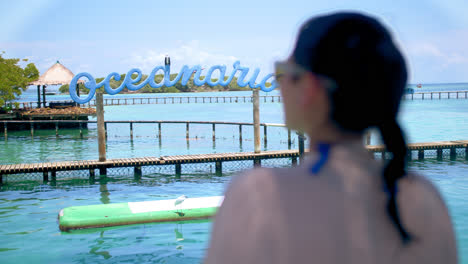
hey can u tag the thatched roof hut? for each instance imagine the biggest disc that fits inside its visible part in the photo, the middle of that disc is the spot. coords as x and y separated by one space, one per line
55 75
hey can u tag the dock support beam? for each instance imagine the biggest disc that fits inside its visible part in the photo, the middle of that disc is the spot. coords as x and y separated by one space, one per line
5 128
131 130
294 161
453 153
53 175
187 133
301 145
257 163
56 129
92 174
289 138
219 168
421 154
137 172
102 171
439 154
178 170
45 176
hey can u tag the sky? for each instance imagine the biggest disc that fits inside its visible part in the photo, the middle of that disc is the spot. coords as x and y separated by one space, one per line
101 37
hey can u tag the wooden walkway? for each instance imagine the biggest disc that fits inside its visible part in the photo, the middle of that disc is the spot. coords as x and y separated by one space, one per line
91 165
236 99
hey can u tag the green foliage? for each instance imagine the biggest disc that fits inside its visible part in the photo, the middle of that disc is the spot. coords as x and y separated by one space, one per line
14 79
177 88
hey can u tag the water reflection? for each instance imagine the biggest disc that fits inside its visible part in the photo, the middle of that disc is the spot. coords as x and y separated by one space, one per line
104 191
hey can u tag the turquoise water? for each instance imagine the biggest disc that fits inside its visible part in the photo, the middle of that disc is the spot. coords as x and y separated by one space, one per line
28 211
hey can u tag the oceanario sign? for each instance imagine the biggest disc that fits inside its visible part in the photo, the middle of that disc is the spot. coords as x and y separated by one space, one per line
184 75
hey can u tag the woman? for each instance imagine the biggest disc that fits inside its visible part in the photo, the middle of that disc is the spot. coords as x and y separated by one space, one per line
340 205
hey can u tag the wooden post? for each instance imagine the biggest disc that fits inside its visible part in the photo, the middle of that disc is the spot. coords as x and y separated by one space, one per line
159 131
453 153
45 176
265 135
440 94
301 145
294 161
137 172
289 138
38 96
240 133
439 154
81 129
178 170
32 129
43 96
131 130
103 171
56 129
256 119
214 132
187 135
101 128
5 129
421 154
91 174
53 175
219 168
431 95
257 163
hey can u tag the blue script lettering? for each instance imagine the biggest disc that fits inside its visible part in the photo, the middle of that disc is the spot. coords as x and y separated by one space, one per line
184 76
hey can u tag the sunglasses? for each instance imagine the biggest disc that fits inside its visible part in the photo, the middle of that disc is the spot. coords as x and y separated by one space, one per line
287 68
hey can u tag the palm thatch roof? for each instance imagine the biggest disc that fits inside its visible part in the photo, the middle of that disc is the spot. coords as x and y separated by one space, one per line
55 75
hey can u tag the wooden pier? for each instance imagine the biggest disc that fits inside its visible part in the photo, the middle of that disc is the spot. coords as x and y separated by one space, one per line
236 99
50 169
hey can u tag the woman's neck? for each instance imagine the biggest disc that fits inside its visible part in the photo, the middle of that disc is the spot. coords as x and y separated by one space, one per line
332 135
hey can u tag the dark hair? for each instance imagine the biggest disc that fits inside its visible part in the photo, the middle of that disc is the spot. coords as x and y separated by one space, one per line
358 54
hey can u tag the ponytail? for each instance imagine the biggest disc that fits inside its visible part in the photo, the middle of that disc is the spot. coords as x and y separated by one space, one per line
394 170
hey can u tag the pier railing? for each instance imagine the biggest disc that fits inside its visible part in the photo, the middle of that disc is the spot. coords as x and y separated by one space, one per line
235 99
158 123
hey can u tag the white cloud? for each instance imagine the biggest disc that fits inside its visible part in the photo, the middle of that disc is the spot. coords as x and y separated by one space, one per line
439 58
190 53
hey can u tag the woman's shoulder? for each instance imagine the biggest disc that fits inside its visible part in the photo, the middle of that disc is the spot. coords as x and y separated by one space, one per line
426 216
418 190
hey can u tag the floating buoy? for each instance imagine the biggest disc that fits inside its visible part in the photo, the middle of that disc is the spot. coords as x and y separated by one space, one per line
419 85
105 215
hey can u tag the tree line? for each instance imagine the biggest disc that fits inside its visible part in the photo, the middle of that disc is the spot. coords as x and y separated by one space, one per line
177 88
